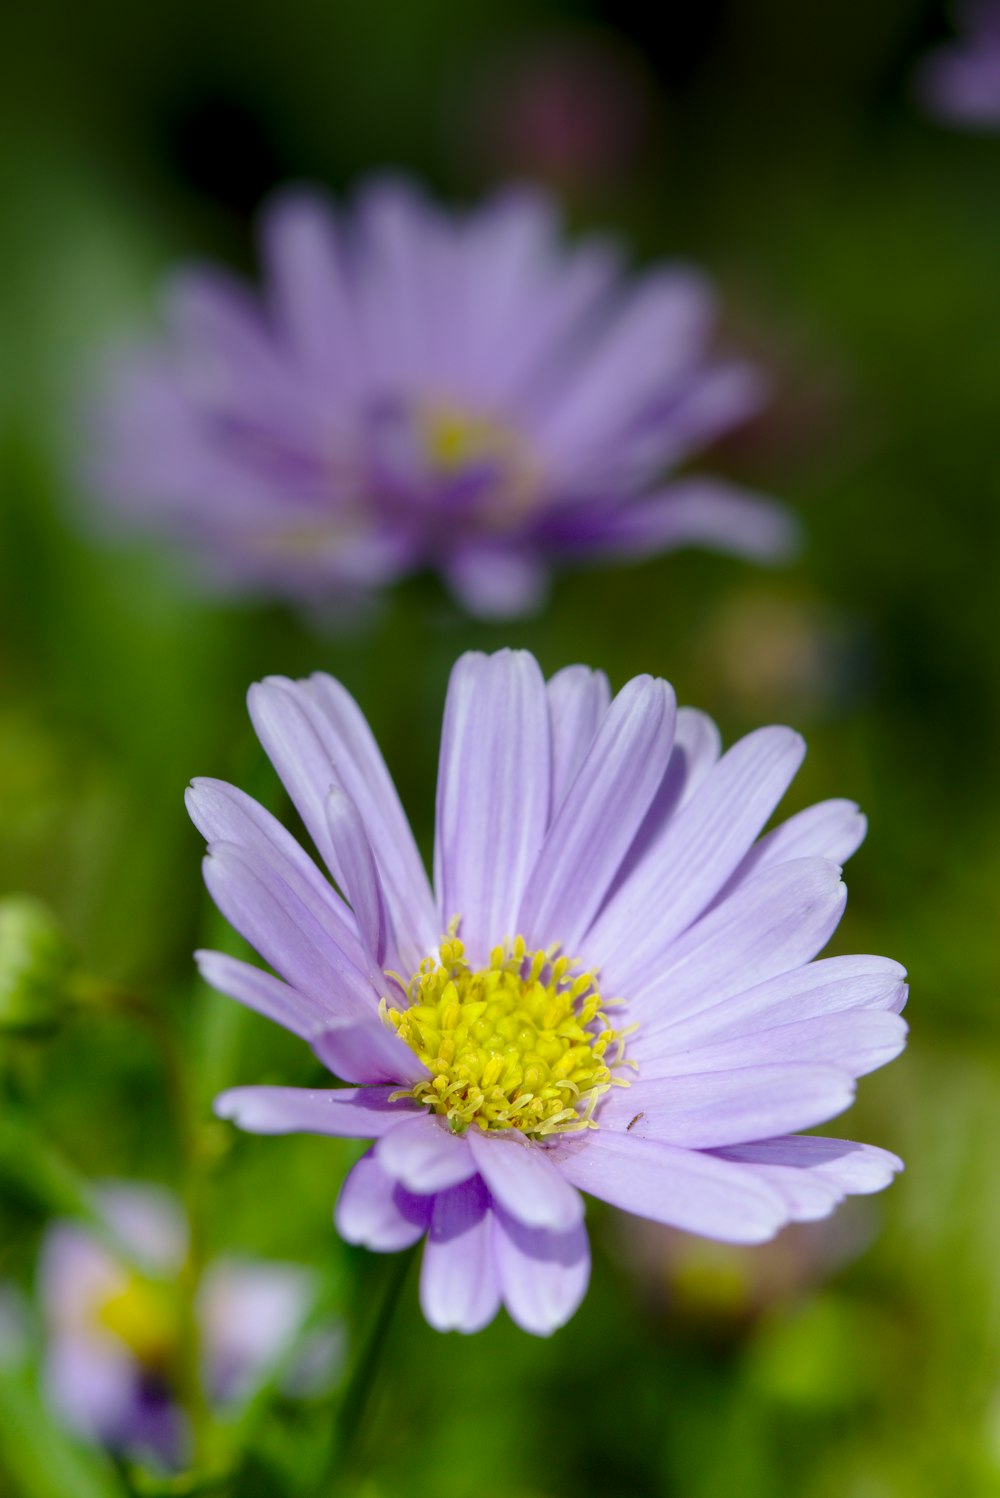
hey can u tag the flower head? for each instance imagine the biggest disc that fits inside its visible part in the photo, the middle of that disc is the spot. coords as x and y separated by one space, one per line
610 988
423 389
959 83
115 1333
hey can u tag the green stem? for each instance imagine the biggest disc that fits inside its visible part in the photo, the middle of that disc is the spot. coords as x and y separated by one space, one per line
98 995
354 1401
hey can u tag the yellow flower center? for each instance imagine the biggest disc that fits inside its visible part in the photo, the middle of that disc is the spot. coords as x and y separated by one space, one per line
522 1044
455 440
143 1315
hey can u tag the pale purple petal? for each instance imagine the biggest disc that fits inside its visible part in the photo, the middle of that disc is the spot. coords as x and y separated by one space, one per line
375 1211
395 235
727 1107
498 582
347 1112
697 747
683 1188
367 1051
777 921
660 325
226 354
854 1040
92 1384
459 1286
494 787
358 873
600 815
266 995
578 699
825 987
511 246
309 294
362 772
543 1275
522 1177
224 814
693 512
830 829
812 1174
423 1155
147 1219
270 915
317 738
695 855
248 1315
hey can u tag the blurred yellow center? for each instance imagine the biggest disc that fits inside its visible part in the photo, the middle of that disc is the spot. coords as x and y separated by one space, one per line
522 1044
142 1314
455 440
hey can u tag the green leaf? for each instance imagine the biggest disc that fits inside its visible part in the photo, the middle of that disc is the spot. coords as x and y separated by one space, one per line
38 1457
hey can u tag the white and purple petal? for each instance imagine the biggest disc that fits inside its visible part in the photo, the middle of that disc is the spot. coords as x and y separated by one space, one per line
459 1283
374 1210
494 794
601 812
815 1174
684 1188
346 1112
543 1274
423 1154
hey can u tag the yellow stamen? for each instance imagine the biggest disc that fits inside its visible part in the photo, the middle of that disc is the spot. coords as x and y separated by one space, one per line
143 1315
456 440
524 1043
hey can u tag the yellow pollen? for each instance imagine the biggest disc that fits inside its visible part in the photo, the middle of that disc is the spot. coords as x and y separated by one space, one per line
142 1314
524 1043
455 440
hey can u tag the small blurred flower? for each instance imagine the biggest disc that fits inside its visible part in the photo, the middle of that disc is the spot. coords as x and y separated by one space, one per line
36 964
959 83
115 1337
424 389
762 653
625 1001
571 108
727 1287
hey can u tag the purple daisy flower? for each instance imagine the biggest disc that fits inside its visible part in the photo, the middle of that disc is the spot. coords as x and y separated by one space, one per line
623 1000
959 83
424 389
114 1336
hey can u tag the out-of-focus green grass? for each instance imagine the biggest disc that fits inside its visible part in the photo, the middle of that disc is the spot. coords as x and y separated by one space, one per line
857 247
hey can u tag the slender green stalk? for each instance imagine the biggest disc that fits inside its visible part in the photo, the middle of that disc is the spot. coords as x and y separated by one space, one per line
355 1399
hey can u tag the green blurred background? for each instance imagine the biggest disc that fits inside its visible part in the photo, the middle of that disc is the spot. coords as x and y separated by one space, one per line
856 245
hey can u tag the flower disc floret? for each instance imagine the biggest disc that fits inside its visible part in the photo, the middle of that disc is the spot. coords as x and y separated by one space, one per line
145 1316
525 1043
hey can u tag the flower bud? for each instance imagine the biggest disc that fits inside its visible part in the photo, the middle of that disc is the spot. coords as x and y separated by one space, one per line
36 964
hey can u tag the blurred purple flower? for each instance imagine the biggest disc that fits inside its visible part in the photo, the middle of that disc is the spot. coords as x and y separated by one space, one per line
570 107
114 1336
423 389
662 1071
959 83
